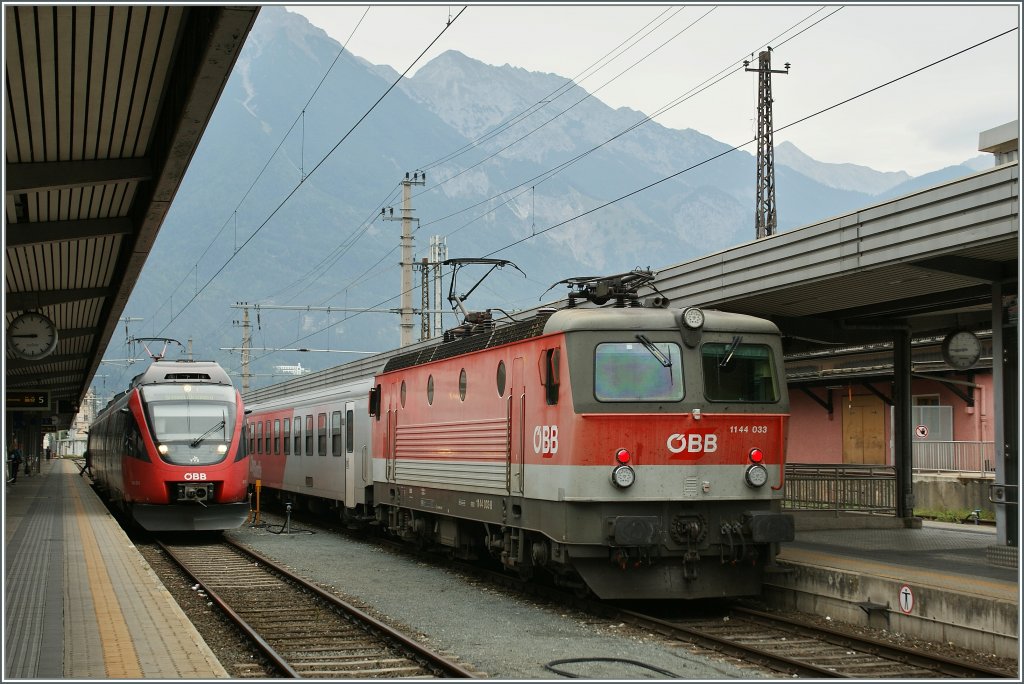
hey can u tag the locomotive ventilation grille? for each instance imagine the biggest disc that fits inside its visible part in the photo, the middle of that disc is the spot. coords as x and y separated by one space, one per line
496 337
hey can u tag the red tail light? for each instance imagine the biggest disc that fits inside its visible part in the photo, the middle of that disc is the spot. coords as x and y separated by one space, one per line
622 456
756 455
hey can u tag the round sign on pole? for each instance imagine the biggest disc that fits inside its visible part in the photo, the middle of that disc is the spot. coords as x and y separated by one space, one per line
906 599
921 431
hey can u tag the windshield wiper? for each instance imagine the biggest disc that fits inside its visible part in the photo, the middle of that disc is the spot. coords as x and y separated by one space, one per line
199 440
736 339
655 352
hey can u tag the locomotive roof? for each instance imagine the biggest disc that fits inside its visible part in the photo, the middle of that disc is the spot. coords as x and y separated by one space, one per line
183 371
579 318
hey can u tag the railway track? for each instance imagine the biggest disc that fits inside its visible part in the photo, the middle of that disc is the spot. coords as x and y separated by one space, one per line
799 649
302 630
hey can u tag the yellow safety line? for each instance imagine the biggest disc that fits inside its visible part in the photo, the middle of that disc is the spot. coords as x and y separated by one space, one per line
119 656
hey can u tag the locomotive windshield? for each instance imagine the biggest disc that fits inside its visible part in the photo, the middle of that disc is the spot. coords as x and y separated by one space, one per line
734 371
191 424
638 371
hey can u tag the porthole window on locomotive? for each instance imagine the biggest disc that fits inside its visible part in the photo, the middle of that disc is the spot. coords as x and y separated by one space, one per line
501 378
403 394
430 390
462 385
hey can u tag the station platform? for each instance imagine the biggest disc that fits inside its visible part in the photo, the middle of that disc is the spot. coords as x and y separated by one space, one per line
80 602
936 582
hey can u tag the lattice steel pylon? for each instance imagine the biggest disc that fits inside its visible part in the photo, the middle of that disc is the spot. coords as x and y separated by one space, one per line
764 211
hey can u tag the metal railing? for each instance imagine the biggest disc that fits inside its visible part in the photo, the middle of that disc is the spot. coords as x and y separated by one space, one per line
957 457
840 488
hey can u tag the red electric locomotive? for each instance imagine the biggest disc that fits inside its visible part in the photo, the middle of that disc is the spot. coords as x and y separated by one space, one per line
169 451
635 450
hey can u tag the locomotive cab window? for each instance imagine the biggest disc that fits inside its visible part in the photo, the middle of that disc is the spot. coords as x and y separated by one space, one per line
640 370
734 371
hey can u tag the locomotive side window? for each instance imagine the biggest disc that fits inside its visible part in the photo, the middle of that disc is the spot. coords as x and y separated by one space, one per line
286 435
549 374
277 435
638 371
501 378
259 437
462 385
309 435
402 397
349 430
336 434
734 371
298 436
430 390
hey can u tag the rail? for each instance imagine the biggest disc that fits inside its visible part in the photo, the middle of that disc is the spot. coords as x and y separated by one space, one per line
840 488
957 457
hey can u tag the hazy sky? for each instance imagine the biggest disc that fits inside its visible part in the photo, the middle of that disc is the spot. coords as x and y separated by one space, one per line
921 123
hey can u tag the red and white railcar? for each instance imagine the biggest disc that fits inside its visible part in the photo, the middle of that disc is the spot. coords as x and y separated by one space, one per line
169 451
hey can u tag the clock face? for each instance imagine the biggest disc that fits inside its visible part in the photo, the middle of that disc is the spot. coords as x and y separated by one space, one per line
32 336
961 349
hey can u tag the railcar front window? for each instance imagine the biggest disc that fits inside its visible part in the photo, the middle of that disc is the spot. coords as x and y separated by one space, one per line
734 371
191 424
638 371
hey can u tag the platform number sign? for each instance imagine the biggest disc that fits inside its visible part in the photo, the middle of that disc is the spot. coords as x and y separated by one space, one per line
906 599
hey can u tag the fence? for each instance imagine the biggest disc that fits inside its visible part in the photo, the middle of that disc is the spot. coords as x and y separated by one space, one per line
962 457
840 487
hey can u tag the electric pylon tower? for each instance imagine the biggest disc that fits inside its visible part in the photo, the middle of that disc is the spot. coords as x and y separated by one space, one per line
764 211
418 178
246 342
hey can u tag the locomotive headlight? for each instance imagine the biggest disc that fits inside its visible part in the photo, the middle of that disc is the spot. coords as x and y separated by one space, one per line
693 318
756 475
623 476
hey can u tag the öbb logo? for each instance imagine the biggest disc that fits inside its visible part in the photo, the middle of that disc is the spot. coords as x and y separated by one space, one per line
195 476
693 443
545 439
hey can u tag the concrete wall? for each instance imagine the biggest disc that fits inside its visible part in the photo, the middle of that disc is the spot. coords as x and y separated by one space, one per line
952 491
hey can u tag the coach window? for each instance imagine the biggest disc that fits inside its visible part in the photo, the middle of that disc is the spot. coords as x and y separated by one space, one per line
252 438
403 394
286 435
349 431
266 444
277 435
298 435
501 378
259 437
336 433
309 435
321 434
430 390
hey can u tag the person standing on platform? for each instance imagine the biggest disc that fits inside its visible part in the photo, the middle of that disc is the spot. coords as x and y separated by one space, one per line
88 463
13 463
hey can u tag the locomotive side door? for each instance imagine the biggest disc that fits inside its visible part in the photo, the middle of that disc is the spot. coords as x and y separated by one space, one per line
517 428
392 429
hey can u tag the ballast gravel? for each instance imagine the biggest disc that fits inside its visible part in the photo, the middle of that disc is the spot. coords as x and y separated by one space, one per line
495 634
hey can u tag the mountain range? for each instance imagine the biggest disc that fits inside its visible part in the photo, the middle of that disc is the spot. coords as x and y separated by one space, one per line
282 201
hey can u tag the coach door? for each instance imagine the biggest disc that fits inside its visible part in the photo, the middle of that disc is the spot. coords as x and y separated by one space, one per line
351 472
517 428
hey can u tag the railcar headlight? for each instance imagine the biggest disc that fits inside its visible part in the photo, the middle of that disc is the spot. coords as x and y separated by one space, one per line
222 448
623 476
162 449
756 475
